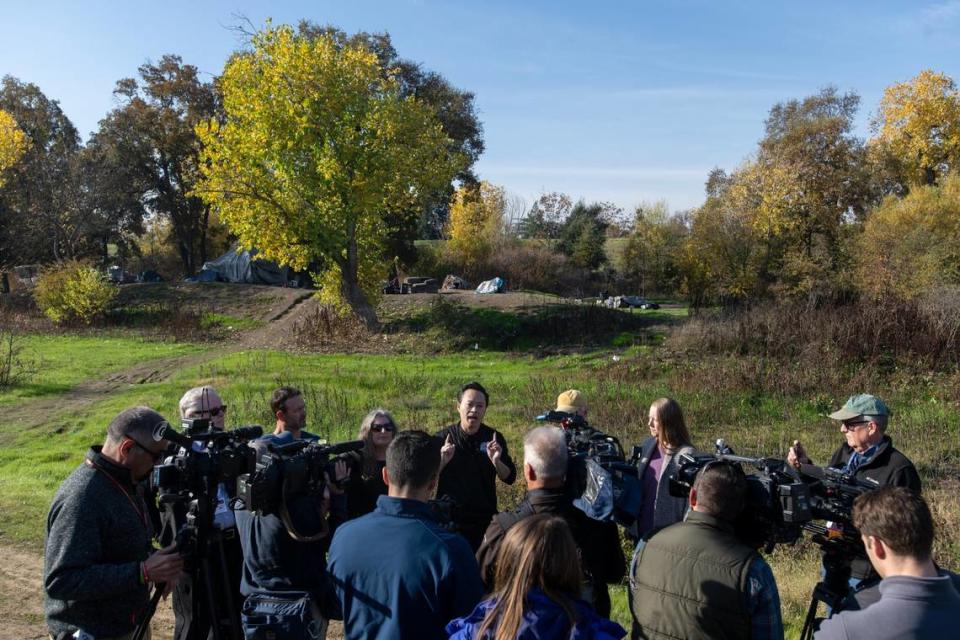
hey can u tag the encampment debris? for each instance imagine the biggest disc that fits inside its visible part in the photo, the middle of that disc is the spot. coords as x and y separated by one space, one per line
494 285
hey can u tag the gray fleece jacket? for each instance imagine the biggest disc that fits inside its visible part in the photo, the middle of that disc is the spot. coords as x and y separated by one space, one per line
98 532
909 608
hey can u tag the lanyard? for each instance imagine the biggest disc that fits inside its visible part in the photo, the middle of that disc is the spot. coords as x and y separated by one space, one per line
141 514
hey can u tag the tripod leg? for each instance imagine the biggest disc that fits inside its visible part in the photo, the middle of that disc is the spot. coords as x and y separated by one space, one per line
211 598
226 589
808 623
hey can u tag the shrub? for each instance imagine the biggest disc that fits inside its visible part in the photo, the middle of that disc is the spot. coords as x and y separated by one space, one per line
911 246
73 292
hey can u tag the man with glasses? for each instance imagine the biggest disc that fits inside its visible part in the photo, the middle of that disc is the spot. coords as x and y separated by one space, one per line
868 454
190 609
473 456
99 560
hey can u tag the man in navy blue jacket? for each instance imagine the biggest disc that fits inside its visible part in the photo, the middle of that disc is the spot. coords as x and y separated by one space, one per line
396 571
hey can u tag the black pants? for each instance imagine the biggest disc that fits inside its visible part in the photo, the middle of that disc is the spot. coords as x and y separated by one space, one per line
191 608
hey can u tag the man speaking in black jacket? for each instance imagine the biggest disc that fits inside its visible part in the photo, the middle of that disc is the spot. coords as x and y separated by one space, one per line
472 457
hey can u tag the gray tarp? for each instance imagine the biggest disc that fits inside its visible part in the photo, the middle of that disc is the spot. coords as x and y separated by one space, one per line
245 267
494 285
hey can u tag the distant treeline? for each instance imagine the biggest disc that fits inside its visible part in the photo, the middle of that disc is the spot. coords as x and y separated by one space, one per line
815 213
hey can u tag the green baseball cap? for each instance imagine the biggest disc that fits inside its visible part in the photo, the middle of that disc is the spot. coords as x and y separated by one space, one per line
862 404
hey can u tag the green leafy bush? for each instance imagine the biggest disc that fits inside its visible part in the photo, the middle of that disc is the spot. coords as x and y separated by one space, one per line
73 292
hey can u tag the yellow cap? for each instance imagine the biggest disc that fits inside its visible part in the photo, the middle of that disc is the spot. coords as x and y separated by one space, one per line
571 401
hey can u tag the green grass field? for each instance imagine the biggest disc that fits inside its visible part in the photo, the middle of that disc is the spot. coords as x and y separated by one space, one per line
620 382
58 363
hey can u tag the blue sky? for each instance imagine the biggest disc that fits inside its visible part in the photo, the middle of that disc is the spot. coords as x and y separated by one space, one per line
617 101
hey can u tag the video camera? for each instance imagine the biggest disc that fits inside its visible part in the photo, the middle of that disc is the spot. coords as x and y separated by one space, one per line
287 470
206 457
782 502
599 478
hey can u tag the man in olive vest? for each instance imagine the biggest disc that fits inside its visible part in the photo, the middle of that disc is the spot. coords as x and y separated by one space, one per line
695 579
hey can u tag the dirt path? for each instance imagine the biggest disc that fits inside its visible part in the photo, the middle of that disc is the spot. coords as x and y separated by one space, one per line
35 414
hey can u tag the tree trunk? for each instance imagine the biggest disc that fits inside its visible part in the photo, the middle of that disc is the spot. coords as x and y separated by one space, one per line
350 284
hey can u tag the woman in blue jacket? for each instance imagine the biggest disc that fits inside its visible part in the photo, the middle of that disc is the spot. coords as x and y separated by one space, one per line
536 586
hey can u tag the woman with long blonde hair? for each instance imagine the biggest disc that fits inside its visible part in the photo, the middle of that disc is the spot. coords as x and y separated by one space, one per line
365 481
536 590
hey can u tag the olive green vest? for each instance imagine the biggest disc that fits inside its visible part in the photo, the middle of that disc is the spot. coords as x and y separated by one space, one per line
690 581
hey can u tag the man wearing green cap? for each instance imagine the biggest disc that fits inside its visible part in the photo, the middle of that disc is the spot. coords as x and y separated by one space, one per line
868 454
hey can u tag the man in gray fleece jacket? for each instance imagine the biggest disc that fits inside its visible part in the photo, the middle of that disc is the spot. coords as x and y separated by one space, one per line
98 559
917 600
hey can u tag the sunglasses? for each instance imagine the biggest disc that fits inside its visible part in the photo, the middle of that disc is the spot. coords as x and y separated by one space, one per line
850 426
382 428
155 455
216 411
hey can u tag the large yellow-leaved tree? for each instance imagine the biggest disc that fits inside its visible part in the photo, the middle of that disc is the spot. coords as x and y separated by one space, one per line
13 143
316 145
918 124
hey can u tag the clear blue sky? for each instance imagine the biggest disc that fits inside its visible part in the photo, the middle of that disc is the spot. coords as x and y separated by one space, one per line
618 101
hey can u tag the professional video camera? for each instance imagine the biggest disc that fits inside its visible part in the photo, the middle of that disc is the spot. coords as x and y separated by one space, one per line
187 484
290 469
206 457
599 478
782 503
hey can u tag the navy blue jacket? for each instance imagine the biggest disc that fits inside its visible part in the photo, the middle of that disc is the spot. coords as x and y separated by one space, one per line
398 574
273 561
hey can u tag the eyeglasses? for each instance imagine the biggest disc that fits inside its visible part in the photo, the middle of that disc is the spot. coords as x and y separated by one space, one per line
216 411
155 455
383 428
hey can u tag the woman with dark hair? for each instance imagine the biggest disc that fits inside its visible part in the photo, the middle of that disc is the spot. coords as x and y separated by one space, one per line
658 463
365 482
536 588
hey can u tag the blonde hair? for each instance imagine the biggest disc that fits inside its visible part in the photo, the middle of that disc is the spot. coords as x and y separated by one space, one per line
672 432
369 459
540 552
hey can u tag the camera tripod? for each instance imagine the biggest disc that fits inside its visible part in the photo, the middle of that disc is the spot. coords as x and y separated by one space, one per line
832 590
202 547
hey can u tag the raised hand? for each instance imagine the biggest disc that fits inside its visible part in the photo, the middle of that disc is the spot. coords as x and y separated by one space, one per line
447 451
494 451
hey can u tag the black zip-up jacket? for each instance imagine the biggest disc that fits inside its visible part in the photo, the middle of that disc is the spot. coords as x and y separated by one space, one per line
470 479
887 467
98 533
